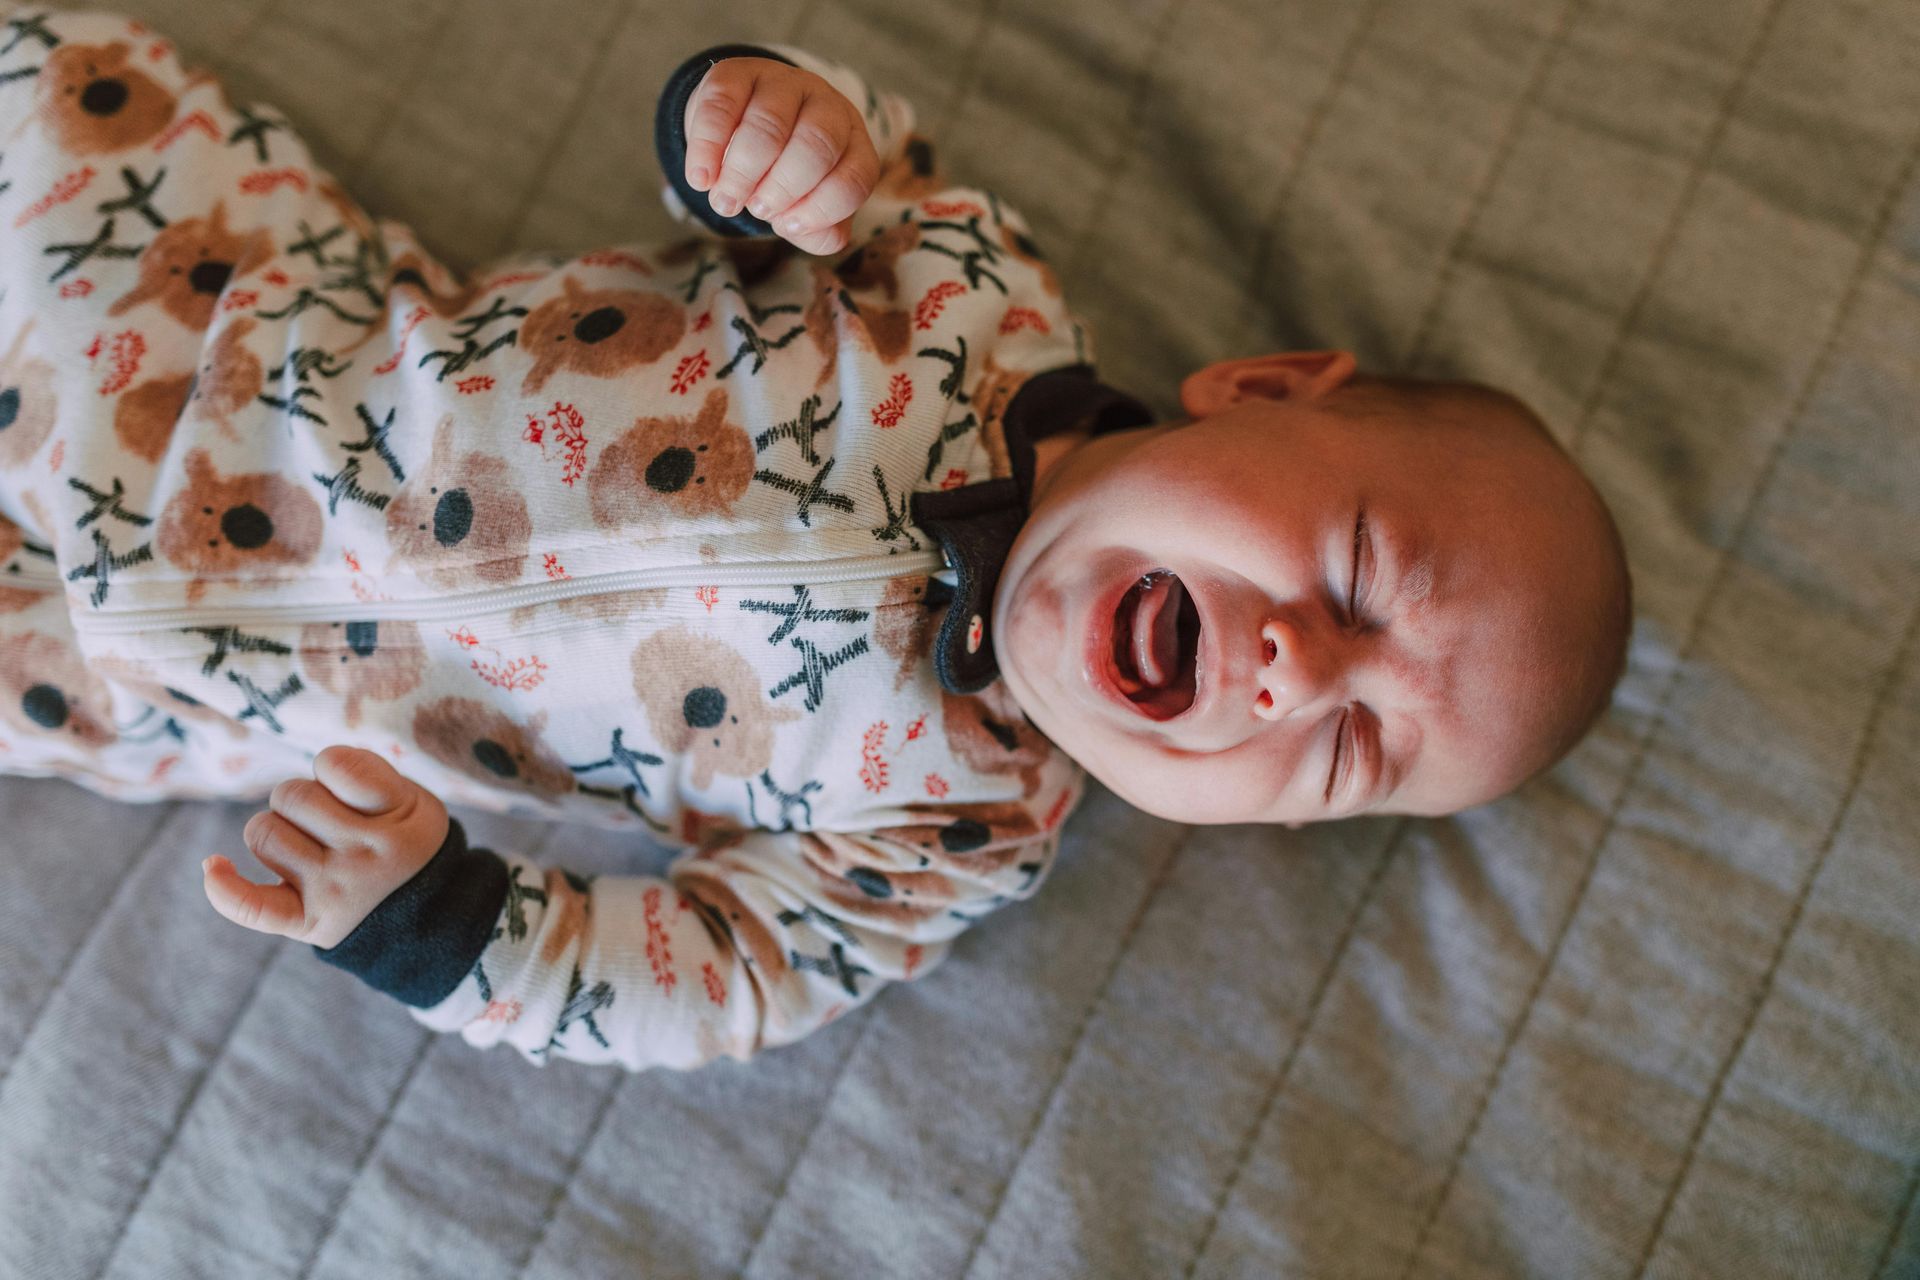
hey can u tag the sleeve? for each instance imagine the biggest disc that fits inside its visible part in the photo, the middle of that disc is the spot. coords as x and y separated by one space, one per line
888 116
750 942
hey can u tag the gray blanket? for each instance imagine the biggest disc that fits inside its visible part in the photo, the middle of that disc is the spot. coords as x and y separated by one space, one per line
1658 1014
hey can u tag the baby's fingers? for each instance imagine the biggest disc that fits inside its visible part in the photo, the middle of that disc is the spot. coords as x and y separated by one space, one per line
757 142
821 216
264 908
713 113
818 140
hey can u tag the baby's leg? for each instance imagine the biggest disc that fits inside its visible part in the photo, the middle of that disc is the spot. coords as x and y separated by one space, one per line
107 726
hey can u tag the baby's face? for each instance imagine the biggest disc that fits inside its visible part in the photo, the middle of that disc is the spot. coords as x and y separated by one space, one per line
1376 614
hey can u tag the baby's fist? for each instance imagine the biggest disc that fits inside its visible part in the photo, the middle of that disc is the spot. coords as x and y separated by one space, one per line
340 843
783 144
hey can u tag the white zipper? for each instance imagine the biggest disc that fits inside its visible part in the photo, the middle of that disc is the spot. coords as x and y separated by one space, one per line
446 608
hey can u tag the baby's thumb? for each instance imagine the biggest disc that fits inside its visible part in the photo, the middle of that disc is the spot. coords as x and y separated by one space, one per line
361 779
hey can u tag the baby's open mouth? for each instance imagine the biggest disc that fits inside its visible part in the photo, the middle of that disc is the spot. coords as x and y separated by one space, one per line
1156 644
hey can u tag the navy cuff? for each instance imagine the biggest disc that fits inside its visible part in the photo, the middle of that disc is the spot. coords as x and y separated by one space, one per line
670 137
427 935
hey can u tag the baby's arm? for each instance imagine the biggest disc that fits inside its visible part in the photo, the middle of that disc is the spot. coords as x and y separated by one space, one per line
764 140
753 941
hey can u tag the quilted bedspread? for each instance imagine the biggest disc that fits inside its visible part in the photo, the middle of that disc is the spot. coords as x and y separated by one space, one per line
1658 1014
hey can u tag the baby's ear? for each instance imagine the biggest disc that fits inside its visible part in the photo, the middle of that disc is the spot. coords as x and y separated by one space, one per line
1284 375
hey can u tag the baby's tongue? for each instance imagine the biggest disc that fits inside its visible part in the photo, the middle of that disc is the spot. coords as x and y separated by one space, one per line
1156 629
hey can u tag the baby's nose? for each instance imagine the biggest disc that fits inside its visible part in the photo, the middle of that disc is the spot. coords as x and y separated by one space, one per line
1293 675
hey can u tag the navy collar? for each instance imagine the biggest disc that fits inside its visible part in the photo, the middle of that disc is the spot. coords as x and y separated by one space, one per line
977 523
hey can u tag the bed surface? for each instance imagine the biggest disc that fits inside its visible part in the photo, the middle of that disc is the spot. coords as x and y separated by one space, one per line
1658 1014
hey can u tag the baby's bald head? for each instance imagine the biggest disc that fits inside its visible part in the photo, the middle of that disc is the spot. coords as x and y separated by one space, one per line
1320 594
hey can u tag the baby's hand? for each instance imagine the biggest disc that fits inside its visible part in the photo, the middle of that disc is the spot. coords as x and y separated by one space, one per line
340 844
784 144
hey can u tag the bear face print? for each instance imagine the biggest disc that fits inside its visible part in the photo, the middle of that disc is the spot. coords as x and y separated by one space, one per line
138 679
914 174
992 393
988 733
460 521
144 419
704 703
92 102
599 332
663 469
904 626
47 691
706 886
230 379
27 405
189 263
885 331
1028 252
223 526
848 878
370 661
483 743
873 262
979 839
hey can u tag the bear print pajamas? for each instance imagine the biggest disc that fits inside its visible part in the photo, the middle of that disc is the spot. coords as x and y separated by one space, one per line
699 539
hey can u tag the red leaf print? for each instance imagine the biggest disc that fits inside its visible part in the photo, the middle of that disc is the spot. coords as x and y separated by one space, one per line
936 786
616 258
659 952
569 429
929 308
915 729
716 990
551 563
899 395
915 954
954 478
264 181
413 321
951 208
157 50
689 371
517 676
477 383
464 638
76 288
93 348
64 190
707 596
1018 318
353 561
161 766
196 120
126 350
512 277
278 279
700 325
873 770
239 298
59 452
501 1011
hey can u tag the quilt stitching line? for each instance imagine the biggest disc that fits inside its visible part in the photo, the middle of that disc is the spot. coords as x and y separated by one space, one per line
356 165
1457 244
1128 134
1856 772
188 1105
321 1237
1908 1202
779 1196
1283 1075
147 845
325 1235
551 153
1816 374
1670 234
559 1196
1262 254
1098 1002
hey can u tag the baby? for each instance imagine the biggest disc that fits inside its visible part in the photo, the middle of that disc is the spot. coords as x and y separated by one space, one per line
811 544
